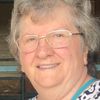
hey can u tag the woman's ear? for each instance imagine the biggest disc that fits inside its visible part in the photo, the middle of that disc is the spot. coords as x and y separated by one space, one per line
86 55
22 69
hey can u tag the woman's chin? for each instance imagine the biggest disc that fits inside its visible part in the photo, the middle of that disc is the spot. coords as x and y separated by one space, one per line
48 83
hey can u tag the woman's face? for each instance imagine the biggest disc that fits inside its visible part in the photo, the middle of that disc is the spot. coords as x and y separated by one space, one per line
49 67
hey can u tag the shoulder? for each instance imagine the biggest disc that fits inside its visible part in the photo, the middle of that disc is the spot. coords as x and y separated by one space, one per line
92 92
95 86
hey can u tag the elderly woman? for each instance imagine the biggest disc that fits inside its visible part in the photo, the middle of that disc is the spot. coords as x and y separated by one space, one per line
51 39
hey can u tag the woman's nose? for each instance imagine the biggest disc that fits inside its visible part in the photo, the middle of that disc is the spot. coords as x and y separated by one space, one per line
44 49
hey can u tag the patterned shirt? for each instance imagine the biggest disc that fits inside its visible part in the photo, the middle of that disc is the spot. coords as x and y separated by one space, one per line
89 91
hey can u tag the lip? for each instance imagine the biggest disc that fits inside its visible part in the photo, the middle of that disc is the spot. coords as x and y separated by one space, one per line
47 66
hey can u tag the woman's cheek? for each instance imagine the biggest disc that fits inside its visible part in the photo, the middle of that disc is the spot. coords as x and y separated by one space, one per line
26 59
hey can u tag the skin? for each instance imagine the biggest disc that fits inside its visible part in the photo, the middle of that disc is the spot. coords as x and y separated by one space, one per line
68 72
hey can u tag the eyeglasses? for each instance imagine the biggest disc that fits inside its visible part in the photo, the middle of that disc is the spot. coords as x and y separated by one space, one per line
56 39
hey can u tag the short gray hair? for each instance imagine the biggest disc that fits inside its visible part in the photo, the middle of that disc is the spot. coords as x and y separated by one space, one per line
81 14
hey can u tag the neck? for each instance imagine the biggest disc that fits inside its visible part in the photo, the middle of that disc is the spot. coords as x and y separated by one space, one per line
65 91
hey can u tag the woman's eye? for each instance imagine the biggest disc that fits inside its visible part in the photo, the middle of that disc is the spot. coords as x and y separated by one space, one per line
59 35
31 39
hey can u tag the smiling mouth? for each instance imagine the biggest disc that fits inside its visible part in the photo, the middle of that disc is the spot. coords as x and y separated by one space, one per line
48 66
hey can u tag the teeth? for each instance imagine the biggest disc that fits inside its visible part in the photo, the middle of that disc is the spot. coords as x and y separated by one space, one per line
47 66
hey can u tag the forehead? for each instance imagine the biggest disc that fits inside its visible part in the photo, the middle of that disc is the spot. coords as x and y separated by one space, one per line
60 18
